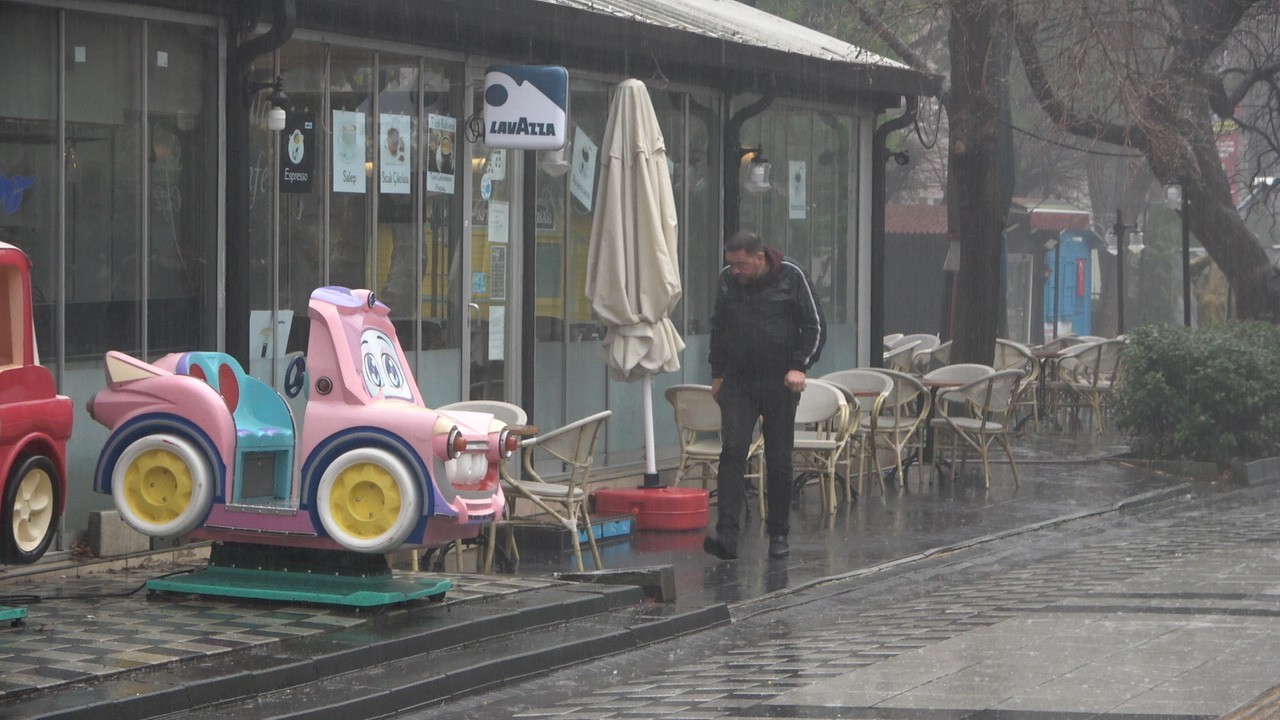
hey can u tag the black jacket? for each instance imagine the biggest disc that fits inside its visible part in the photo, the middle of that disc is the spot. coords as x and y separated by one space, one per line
769 326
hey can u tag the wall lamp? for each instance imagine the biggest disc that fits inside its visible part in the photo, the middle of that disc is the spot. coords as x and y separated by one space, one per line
278 99
555 162
757 180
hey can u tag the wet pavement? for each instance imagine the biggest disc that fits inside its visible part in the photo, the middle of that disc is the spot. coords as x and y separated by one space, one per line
84 650
1169 611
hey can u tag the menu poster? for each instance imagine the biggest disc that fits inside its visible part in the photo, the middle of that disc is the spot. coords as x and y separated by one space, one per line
797 187
499 221
348 151
298 153
442 132
394 155
582 177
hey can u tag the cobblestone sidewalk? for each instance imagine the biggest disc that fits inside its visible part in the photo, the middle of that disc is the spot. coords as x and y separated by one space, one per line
1174 613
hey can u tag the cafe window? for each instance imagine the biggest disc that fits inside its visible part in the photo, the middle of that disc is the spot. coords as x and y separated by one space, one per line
809 211
104 131
377 210
137 175
29 157
181 154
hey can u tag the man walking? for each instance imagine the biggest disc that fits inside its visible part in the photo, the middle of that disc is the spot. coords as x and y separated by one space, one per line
767 330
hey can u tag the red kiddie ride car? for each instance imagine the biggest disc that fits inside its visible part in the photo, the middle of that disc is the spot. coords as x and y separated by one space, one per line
198 446
35 423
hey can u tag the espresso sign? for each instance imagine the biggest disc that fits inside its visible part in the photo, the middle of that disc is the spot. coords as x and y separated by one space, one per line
298 153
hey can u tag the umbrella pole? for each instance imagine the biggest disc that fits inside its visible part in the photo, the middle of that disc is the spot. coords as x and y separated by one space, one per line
650 463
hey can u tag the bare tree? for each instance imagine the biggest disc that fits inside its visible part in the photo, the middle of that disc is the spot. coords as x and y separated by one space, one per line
1151 75
978 188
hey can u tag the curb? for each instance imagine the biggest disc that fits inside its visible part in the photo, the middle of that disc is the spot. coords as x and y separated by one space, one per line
1128 504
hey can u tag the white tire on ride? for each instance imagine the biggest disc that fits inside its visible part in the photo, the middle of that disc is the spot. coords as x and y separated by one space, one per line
368 500
162 485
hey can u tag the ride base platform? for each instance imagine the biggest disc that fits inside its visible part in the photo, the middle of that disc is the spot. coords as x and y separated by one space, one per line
326 577
13 615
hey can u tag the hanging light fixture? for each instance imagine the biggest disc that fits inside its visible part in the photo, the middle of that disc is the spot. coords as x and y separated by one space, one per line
277 115
757 180
555 162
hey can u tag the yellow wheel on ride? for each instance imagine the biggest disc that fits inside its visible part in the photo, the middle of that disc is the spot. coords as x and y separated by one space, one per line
30 510
162 485
368 500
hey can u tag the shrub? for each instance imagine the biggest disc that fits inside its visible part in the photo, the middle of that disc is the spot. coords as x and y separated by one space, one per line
1211 395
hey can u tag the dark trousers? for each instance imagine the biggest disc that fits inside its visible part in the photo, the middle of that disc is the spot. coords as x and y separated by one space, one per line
742 401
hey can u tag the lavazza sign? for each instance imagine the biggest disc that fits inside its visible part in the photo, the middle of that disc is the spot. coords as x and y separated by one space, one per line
525 106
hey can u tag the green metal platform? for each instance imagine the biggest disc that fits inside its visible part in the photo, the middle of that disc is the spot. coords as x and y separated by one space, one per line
12 615
363 592
302 576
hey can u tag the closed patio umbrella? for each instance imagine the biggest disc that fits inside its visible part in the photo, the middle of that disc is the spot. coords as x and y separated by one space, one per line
633 271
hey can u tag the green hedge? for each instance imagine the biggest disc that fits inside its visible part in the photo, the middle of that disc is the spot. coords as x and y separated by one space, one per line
1211 395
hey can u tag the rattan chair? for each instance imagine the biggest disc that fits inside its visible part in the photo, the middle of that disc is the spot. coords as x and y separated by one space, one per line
557 478
822 428
976 414
869 389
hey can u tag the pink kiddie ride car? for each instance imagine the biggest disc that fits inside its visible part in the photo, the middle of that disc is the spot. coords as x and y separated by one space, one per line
35 423
197 446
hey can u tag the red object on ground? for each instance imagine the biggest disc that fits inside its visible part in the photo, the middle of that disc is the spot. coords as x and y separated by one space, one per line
663 508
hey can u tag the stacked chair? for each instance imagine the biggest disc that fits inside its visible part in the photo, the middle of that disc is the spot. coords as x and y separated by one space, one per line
900 426
823 426
870 390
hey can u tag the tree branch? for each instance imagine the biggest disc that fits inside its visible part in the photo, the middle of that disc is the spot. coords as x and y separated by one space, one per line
885 34
1057 110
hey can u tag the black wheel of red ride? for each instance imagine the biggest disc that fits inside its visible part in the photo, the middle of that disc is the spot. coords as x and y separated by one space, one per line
30 514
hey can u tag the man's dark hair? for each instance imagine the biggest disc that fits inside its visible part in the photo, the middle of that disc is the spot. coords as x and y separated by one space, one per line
744 240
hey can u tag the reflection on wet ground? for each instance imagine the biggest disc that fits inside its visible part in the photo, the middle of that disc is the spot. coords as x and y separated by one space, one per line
1061 476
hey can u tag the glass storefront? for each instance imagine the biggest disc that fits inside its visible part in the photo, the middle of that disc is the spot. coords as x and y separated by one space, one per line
382 205
113 122
109 142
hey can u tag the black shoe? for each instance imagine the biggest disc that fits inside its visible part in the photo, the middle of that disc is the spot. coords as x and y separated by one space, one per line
722 550
778 547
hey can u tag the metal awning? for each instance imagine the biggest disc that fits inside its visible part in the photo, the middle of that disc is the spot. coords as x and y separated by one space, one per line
736 22
744 30
720 43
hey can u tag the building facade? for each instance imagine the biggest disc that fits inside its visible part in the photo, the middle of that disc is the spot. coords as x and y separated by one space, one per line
138 171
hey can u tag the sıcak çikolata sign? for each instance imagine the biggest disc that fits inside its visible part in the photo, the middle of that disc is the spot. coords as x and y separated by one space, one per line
525 106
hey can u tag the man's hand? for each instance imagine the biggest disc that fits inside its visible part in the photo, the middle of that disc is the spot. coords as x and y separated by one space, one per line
795 381
715 388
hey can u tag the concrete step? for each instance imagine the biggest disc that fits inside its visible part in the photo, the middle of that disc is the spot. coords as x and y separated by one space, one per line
422 654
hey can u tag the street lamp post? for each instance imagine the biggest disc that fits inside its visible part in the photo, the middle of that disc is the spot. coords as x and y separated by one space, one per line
1055 244
1119 231
1186 259
1176 198
1129 236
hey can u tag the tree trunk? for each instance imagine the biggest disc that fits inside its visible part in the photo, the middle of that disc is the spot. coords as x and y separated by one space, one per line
973 210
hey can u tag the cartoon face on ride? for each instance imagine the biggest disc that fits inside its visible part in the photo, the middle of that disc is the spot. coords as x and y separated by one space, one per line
35 424
198 446
381 366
